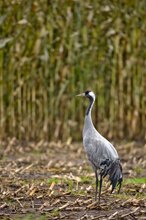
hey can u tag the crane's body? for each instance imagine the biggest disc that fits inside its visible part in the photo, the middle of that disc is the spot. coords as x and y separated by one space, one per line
101 153
96 145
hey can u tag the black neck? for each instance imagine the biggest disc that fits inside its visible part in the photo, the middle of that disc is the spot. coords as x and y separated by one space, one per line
90 105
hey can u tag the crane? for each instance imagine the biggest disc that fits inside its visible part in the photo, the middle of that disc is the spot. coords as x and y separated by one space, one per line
101 153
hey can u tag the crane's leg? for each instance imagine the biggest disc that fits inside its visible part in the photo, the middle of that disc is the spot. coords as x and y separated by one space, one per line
120 184
119 188
100 186
96 176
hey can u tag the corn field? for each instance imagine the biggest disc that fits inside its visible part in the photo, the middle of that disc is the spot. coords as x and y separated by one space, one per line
51 50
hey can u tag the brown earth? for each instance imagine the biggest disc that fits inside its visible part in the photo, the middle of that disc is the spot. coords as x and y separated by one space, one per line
54 181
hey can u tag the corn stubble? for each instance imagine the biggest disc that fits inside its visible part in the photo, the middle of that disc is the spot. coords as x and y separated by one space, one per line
49 53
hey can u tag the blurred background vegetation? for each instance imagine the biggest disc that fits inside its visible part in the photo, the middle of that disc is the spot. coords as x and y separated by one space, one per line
51 50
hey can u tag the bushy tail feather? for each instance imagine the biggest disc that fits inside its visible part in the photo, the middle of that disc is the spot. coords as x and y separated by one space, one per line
115 174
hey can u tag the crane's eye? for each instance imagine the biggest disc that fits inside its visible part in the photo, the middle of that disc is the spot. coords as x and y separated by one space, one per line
87 92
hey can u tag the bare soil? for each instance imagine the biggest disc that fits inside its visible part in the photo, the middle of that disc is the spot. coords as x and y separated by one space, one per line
54 181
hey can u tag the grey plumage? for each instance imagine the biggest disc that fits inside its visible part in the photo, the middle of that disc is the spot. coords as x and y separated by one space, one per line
101 153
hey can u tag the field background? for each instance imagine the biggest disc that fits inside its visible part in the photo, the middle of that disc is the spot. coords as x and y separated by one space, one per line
50 51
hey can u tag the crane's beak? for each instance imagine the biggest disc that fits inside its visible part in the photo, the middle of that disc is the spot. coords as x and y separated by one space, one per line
82 94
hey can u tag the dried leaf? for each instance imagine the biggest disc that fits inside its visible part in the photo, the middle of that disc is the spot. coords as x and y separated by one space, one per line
5 41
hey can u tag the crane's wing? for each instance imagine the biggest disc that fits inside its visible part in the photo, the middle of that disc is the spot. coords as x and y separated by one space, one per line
99 150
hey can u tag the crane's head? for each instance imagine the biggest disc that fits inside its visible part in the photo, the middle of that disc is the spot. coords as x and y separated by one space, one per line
89 94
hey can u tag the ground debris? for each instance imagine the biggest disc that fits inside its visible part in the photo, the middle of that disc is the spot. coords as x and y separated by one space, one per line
113 215
55 180
130 213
